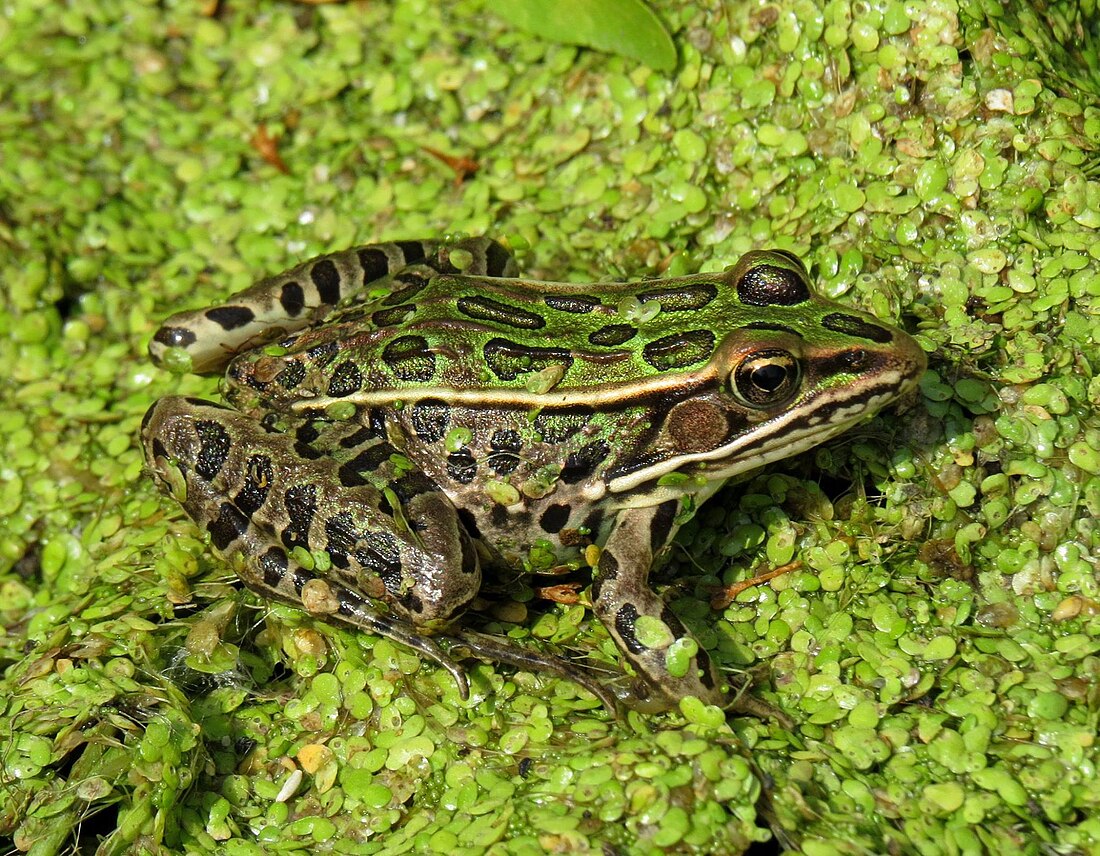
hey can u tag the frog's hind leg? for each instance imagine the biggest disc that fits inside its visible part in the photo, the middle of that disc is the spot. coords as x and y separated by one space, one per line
260 496
290 301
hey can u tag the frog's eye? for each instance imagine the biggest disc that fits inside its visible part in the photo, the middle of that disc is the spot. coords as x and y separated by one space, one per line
766 378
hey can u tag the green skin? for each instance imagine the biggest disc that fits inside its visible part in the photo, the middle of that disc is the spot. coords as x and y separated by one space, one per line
422 424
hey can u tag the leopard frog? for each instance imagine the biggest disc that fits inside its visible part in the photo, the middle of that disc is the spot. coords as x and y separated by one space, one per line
407 417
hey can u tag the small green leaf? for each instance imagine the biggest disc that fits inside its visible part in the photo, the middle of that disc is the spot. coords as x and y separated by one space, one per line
625 27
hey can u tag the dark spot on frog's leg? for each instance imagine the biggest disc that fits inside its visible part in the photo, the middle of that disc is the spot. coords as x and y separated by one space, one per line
340 536
461 466
227 527
412 484
379 552
554 518
767 285
593 522
274 565
625 619
412 603
702 660
175 337
358 438
661 524
374 263
469 522
292 298
306 433
850 325
346 379
307 452
326 279
257 482
582 463
301 504
213 449
367 461
412 250
498 516
498 260
607 571
230 317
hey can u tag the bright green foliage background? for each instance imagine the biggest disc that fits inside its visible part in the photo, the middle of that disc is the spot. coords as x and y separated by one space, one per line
938 651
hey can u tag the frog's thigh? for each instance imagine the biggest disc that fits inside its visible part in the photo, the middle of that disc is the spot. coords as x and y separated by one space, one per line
621 596
259 497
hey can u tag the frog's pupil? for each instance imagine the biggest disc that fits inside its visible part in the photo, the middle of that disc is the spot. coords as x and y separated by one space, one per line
769 377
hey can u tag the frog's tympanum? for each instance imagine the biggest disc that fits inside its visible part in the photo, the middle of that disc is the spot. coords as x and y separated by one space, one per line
417 417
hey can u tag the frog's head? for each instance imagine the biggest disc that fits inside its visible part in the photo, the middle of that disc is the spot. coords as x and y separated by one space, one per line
790 370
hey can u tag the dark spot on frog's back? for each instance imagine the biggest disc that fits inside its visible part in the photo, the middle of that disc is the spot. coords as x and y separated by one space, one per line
682 298
323 354
508 360
503 459
767 285
393 316
557 426
612 334
575 304
346 380
227 527
850 325
583 462
410 358
486 309
431 418
214 444
230 317
461 466
292 298
326 279
679 350
293 373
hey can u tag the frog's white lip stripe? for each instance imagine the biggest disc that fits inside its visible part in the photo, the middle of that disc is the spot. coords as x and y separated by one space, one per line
787 434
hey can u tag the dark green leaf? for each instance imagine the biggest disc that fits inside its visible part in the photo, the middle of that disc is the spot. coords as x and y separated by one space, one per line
625 27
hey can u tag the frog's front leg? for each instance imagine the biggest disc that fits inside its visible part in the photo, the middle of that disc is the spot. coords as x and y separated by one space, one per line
260 495
621 597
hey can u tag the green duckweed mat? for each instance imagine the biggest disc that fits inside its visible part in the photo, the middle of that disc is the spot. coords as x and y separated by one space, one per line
938 650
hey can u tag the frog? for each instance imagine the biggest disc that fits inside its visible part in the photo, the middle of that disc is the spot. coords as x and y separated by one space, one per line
404 422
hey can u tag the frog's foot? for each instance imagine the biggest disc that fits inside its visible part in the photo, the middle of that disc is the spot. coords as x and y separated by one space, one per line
494 650
331 601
